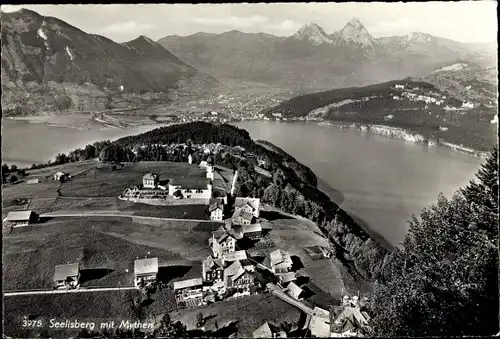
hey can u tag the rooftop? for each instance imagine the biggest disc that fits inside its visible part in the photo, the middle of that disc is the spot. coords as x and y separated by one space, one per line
251 228
146 266
150 176
214 206
279 256
188 283
242 214
345 318
265 331
233 256
252 202
294 289
19 216
194 182
287 277
61 272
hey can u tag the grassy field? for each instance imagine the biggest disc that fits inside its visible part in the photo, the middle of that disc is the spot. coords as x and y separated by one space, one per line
99 244
293 235
96 307
95 186
107 183
249 313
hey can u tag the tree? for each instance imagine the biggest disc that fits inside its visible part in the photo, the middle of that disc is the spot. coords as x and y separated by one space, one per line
169 329
13 168
199 319
444 279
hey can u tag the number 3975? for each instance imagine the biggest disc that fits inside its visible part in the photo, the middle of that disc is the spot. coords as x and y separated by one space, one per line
32 323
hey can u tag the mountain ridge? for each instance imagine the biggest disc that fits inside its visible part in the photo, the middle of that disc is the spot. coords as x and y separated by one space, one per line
350 56
44 58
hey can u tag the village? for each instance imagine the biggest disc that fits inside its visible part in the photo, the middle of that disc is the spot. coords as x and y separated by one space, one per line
243 260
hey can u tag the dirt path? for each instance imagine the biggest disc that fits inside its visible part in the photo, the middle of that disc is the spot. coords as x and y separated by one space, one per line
113 214
80 290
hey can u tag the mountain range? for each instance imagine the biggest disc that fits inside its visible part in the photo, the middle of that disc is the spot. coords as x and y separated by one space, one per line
315 59
45 59
49 65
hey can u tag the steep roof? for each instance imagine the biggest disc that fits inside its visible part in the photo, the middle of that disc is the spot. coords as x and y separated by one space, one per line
146 266
243 214
232 269
294 290
19 216
236 255
266 330
61 272
150 175
346 318
279 256
191 183
287 277
210 263
188 283
252 202
251 228
214 206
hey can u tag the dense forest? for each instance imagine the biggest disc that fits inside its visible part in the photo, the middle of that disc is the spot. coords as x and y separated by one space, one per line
445 278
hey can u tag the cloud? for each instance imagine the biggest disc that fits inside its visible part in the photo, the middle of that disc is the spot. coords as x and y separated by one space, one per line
127 27
232 21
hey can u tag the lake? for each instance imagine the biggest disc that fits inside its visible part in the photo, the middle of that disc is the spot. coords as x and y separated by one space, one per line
380 181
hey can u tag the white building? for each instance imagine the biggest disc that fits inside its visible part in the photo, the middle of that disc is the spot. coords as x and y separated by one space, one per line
60 176
249 205
222 242
145 271
216 211
190 159
190 189
150 180
67 275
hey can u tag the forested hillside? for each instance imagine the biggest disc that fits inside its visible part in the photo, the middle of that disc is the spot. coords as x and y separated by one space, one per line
445 278
416 106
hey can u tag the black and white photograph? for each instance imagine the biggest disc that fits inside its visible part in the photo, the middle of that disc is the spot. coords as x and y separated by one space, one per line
250 170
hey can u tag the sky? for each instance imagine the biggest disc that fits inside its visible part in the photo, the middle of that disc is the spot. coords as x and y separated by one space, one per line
464 21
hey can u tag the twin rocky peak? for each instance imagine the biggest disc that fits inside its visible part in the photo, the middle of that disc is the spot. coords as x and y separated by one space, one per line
353 33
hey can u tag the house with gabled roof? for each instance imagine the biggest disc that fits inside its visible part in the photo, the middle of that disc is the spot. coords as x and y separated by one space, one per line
216 210
286 278
280 261
222 242
320 323
150 180
21 218
252 231
67 275
347 321
235 276
241 255
242 217
250 205
268 330
212 269
189 292
145 271
294 290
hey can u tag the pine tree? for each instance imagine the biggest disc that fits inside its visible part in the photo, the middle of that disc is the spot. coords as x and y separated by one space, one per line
444 279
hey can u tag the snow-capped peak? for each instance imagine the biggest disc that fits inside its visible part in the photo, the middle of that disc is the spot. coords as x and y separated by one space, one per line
313 33
355 32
